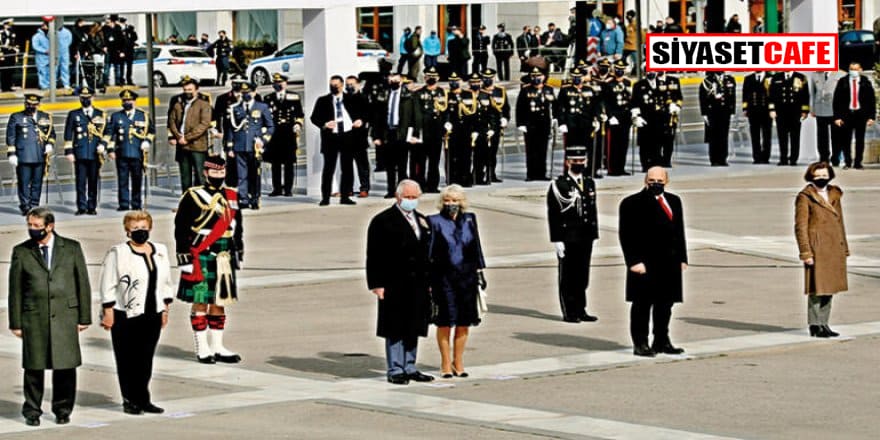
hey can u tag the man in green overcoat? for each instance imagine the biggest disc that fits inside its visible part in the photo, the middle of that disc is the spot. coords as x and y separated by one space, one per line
49 304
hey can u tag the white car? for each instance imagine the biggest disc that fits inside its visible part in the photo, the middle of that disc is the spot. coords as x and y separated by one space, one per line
172 62
289 62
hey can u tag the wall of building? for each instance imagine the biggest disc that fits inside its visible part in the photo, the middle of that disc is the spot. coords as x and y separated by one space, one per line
290 26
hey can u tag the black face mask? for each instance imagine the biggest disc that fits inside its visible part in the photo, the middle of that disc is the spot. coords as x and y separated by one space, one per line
277 87
537 81
451 210
618 72
216 182
395 85
431 81
334 90
247 97
29 109
140 236
603 71
86 102
475 87
651 75
128 105
454 85
577 80
821 183
188 96
487 83
577 168
350 89
37 234
656 188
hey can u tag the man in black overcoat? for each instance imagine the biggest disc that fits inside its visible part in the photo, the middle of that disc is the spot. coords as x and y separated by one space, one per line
397 273
653 242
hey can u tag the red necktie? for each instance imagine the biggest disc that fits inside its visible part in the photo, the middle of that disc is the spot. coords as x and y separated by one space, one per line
855 96
665 207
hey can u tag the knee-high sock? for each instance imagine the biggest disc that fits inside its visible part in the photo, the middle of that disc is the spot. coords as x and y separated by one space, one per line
216 325
200 335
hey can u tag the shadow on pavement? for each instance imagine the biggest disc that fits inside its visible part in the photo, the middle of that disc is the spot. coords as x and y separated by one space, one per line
570 341
343 365
517 311
735 325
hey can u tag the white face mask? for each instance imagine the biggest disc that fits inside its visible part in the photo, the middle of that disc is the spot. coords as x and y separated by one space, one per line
853 74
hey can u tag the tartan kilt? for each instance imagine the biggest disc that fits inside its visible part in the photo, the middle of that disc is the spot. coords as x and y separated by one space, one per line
205 291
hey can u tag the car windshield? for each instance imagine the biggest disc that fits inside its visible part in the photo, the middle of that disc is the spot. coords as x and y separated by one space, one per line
293 49
368 45
189 53
141 53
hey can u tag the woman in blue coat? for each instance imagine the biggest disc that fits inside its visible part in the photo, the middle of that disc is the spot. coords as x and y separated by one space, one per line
456 275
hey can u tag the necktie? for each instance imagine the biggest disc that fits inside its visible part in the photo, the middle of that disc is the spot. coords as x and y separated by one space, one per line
340 126
665 207
580 183
854 105
392 115
412 224
45 251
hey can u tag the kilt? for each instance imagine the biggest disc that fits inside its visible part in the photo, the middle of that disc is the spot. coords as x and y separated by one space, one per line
208 291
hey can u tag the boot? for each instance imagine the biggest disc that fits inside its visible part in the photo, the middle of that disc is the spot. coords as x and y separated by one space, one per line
221 354
203 351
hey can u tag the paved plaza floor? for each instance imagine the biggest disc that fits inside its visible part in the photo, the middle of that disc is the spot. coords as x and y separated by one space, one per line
313 368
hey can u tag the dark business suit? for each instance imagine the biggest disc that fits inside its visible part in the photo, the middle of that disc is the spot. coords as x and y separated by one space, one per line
648 236
47 304
854 120
336 142
397 261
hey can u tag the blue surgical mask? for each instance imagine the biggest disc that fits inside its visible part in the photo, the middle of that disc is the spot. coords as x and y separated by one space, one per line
409 205
277 87
853 74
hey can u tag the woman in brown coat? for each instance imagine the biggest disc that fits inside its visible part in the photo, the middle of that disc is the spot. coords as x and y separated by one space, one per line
821 239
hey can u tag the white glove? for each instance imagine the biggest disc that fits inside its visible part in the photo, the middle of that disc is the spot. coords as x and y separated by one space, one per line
297 128
145 146
674 108
554 123
595 126
48 149
474 136
13 160
523 129
603 117
563 129
639 122
490 133
635 112
100 149
613 121
258 144
503 122
186 268
560 249
71 158
706 120
448 127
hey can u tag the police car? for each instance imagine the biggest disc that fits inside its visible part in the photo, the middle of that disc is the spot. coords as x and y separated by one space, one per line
289 62
172 62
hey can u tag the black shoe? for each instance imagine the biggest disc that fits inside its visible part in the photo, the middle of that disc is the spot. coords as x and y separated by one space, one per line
793 164
667 348
461 374
529 179
781 163
389 196
79 212
399 379
586 317
255 206
643 350
32 421
598 176
496 180
122 208
347 201
858 166
206 360
62 420
92 212
324 202
814 330
274 193
152 409
571 320
130 408
446 375
288 194
829 332
227 359
418 376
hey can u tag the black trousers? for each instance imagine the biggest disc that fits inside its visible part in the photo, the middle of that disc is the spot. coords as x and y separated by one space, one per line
249 184
824 126
86 184
853 123
536 151
282 176
480 61
761 133
652 139
359 147
134 345
788 131
503 64
395 156
618 145
482 153
7 68
574 278
63 392
640 315
433 147
717 133
127 66
416 157
30 184
459 154
130 174
336 148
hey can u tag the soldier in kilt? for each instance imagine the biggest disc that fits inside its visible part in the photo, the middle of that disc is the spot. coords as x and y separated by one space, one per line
208 234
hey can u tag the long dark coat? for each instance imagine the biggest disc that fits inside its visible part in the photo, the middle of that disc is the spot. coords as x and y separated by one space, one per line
456 256
47 304
648 236
398 262
818 227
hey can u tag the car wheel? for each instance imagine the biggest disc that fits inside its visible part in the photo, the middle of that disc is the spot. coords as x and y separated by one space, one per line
159 79
260 77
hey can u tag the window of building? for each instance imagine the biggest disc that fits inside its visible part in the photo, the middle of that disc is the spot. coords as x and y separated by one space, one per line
450 15
849 14
256 26
377 24
181 24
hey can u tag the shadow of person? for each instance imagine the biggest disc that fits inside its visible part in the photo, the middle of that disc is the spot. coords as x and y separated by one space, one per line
735 325
341 365
517 311
569 341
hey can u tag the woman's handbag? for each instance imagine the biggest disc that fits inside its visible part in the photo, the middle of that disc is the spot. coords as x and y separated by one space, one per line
482 303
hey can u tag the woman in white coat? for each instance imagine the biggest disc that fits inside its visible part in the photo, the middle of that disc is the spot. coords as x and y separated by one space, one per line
136 290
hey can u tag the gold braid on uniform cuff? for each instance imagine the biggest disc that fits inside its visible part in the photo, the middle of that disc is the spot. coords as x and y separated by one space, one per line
184 259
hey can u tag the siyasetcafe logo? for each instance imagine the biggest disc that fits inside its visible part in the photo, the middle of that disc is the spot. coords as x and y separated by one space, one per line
741 52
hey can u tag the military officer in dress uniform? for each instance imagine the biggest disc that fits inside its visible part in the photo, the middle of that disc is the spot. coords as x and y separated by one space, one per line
8 55
670 88
248 129
219 117
789 106
603 71
717 103
580 105
535 113
618 105
494 114
656 104
432 99
459 118
30 140
208 236
130 137
755 102
287 113
222 50
571 214
85 140
376 92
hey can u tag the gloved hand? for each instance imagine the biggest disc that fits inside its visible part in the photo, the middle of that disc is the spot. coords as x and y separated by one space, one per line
448 127
145 146
772 115
554 123
522 129
100 149
560 249
48 149
70 158
490 133
706 120
635 112
639 122
474 136
503 122
613 121
13 160
595 126
481 280
186 268
674 108
563 129
603 117
297 128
